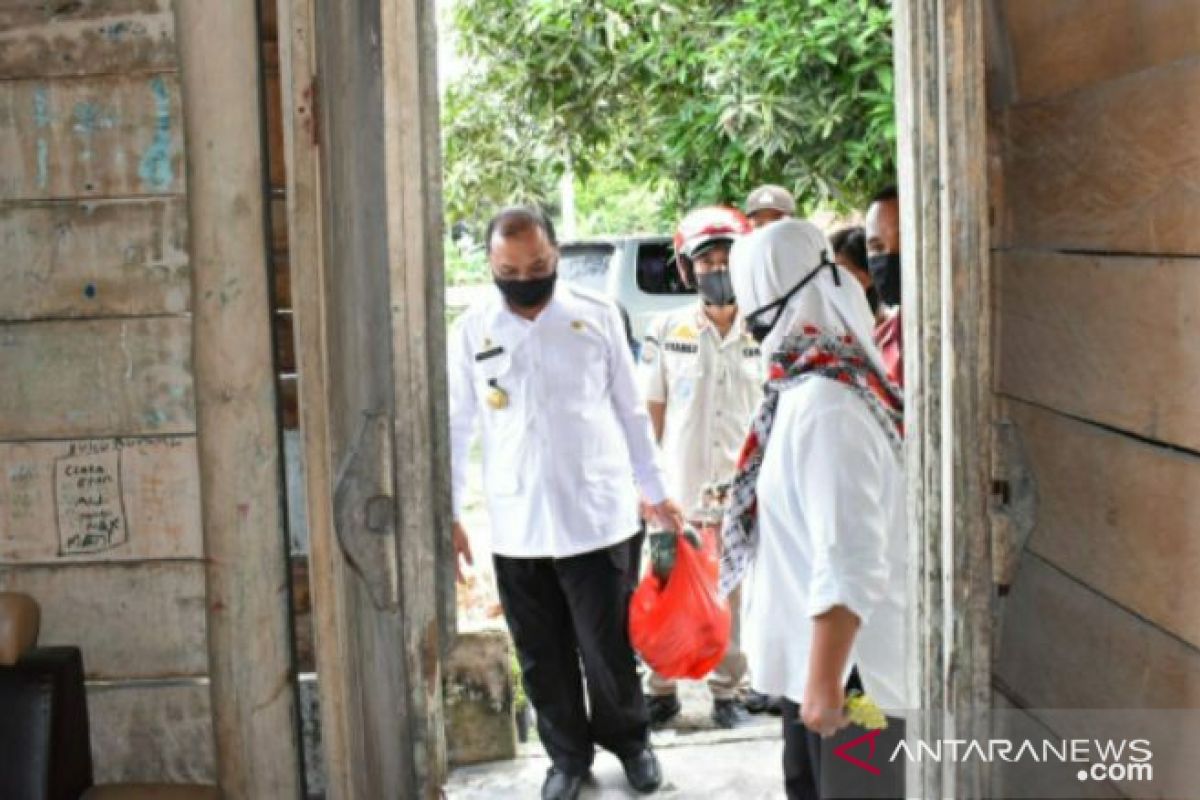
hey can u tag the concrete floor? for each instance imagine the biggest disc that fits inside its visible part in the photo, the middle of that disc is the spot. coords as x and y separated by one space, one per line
698 761
700 765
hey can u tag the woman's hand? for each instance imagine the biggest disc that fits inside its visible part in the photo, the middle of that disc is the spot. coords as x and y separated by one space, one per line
824 708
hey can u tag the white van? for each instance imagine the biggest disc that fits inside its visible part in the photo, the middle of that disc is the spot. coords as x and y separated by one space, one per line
637 271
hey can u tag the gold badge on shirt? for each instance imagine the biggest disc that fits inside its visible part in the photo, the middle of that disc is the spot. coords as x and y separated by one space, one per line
685 332
578 325
497 398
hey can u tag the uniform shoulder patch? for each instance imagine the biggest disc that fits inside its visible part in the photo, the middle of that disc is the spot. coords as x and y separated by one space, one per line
684 332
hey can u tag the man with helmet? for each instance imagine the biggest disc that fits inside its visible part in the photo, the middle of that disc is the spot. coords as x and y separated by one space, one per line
701 374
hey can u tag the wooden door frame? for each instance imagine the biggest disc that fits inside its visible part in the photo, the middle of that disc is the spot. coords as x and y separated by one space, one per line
942 180
942 137
423 573
254 718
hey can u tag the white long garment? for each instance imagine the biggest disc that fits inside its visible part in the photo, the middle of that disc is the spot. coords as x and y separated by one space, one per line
568 433
831 532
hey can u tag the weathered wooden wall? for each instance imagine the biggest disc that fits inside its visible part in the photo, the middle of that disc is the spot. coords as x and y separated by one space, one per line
135 312
1096 253
99 489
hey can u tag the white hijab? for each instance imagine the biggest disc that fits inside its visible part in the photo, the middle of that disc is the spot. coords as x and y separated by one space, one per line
766 264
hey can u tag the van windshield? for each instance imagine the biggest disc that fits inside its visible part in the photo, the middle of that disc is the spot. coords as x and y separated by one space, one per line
585 265
656 271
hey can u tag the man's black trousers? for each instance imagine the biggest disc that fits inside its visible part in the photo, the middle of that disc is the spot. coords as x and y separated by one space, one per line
564 611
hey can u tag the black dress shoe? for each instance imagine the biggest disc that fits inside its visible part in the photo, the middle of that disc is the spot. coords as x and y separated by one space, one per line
756 702
662 708
726 713
642 771
560 785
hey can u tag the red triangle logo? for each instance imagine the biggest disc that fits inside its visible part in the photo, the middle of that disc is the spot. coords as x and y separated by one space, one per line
841 751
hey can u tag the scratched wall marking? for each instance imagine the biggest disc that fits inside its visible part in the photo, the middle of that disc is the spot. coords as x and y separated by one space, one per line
155 167
89 500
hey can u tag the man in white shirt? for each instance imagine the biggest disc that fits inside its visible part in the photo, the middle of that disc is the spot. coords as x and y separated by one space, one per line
701 374
546 372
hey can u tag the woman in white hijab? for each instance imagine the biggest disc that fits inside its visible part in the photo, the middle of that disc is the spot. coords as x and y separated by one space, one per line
817 508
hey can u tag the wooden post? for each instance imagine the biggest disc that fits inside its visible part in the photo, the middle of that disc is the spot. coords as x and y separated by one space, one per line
943 200
301 133
411 124
254 715
364 216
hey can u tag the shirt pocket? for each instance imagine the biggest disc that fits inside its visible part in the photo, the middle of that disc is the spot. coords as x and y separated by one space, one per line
576 370
752 365
685 374
493 382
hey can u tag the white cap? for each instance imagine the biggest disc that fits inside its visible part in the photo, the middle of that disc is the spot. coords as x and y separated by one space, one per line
772 197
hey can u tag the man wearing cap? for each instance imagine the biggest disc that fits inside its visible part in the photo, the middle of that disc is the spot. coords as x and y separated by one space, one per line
769 203
701 374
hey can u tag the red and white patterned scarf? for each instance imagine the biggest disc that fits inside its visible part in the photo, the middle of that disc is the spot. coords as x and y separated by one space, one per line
811 353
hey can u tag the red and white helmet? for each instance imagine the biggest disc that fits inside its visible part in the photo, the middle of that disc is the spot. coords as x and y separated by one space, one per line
703 228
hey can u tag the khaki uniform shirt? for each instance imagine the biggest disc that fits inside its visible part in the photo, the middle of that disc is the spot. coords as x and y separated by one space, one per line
711 387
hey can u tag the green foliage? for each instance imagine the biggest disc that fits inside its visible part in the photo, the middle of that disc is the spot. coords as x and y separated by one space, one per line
701 100
610 203
465 265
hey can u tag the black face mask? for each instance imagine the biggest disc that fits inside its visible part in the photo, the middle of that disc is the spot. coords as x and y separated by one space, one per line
527 293
716 288
885 274
756 322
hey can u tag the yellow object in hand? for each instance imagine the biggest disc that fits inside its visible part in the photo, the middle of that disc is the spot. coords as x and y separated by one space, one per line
863 711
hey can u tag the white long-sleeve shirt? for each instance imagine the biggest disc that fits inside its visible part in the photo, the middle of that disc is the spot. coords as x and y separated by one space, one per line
831 532
566 433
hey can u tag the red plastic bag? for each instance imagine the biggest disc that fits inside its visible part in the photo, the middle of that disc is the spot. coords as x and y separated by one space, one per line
681 628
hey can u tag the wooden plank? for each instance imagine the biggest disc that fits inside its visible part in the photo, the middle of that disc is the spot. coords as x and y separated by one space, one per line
249 641
944 219
340 711
95 258
1054 52
279 224
106 136
414 239
42 40
1107 339
1126 524
1047 779
99 500
285 349
1113 168
132 620
157 732
276 163
1065 646
126 376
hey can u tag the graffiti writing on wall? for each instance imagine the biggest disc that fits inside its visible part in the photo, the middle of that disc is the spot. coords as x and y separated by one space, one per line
89 501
